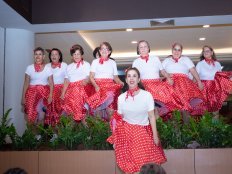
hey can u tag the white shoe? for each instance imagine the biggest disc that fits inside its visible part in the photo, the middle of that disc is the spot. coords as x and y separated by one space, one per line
54 136
38 137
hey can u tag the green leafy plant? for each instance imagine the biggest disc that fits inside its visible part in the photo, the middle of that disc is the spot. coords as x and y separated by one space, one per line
69 133
28 140
47 133
6 129
96 133
173 133
208 132
213 133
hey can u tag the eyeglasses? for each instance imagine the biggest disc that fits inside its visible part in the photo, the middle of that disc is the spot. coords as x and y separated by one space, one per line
104 49
175 49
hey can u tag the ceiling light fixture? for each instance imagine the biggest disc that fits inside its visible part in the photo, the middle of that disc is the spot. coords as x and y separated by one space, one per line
134 42
129 29
202 38
206 26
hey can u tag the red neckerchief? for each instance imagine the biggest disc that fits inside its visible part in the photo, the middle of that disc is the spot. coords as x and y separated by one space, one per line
210 61
55 65
37 67
80 62
175 59
102 60
130 92
145 57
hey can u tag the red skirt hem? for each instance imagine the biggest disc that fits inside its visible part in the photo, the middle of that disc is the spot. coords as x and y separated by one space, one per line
107 95
33 96
74 100
134 146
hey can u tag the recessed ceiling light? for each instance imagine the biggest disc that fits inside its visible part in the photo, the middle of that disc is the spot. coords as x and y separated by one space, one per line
206 26
202 38
129 29
134 42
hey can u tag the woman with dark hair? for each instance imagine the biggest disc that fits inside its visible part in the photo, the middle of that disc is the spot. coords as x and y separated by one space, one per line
37 88
152 168
76 78
96 53
15 171
150 68
58 68
104 78
134 133
189 93
217 84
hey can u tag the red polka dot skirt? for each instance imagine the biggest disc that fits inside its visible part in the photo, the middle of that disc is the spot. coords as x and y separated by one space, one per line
34 95
74 100
107 95
163 94
216 91
134 146
89 89
189 94
55 108
224 80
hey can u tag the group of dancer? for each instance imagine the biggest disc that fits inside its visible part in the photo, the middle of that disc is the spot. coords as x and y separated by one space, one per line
58 88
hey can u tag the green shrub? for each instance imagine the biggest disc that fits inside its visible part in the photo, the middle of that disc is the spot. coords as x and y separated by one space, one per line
173 133
47 134
96 133
28 140
6 129
208 132
213 133
69 133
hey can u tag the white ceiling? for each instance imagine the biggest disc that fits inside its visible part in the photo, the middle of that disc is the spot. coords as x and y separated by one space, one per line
162 39
90 34
219 37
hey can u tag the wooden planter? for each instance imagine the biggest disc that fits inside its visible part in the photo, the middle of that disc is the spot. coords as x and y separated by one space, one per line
27 160
180 161
213 161
70 162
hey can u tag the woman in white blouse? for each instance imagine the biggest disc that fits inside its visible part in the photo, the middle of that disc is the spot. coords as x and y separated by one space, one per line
150 68
58 68
76 78
37 88
189 93
135 137
217 84
104 78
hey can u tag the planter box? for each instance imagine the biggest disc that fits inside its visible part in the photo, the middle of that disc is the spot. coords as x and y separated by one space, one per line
213 161
180 161
28 160
69 162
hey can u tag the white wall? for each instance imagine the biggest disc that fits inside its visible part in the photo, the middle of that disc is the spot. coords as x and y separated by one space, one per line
1 69
18 55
